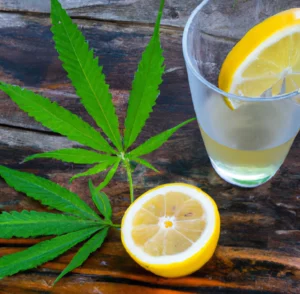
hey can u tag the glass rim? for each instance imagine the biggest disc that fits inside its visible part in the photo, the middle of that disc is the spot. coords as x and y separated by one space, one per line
190 65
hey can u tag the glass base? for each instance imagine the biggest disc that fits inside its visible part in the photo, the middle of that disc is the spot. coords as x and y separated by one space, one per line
241 181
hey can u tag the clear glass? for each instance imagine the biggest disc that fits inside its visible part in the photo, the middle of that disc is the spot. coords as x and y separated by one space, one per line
248 145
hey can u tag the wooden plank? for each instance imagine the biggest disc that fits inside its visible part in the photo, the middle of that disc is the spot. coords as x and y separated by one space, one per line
226 18
259 243
250 218
39 283
231 269
145 11
28 58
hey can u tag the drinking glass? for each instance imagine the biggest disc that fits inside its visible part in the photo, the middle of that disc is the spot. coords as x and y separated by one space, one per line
247 145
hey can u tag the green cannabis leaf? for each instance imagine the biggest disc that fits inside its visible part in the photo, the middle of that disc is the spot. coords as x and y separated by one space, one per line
79 223
56 118
47 192
109 175
89 81
42 252
97 168
26 224
73 155
82 255
84 72
101 201
156 141
145 86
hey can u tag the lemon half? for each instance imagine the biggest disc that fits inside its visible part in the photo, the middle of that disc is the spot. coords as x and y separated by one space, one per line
266 58
171 230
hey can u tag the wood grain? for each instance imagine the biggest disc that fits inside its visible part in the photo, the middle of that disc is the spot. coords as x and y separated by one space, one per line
229 270
176 12
259 248
28 57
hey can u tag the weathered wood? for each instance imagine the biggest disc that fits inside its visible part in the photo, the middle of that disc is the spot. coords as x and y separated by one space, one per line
259 244
233 18
266 218
230 269
226 18
28 58
249 218
176 12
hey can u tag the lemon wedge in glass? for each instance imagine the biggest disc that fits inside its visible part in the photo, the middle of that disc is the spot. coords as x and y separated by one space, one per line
266 61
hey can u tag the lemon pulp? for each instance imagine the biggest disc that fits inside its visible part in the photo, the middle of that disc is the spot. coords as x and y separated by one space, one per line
168 224
266 61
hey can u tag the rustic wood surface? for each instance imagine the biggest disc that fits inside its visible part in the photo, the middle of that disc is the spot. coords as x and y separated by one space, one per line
259 248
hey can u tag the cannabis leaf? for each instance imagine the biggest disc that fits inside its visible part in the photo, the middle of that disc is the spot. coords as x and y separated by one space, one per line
56 118
26 224
145 86
49 193
156 141
97 168
101 201
89 82
84 72
42 252
79 222
82 255
109 175
70 229
73 155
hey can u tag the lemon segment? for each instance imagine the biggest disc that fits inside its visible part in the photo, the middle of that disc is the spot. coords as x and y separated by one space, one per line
171 230
267 57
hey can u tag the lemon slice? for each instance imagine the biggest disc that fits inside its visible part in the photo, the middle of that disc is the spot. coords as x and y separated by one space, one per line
171 230
266 61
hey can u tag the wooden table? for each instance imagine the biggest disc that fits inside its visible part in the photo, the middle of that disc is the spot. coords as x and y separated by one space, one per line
259 248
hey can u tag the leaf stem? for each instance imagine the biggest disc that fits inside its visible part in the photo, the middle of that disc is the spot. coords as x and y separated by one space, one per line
116 225
129 176
111 224
159 16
